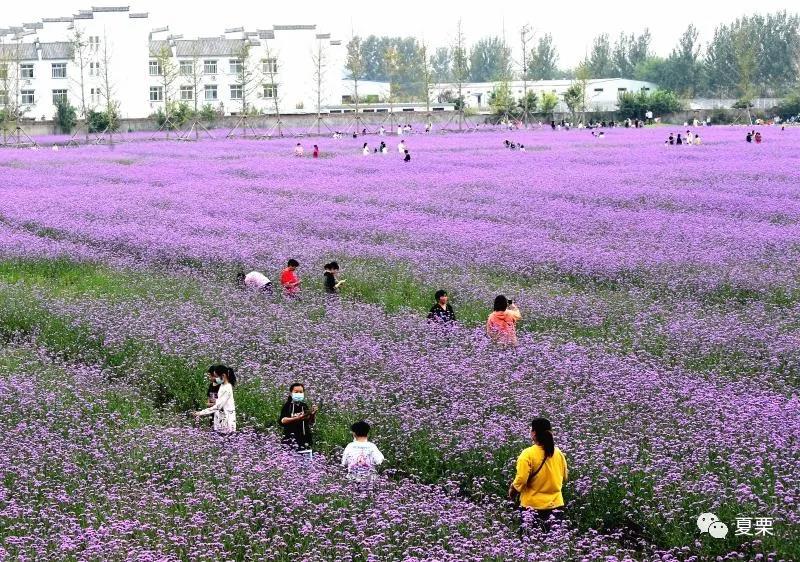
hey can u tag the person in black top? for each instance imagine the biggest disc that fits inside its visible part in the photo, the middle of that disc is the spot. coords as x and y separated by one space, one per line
749 137
297 419
331 284
407 157
442 312
214 382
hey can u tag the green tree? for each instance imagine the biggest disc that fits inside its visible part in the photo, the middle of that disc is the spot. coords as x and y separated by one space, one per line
630 51
502 102
548 103
574 99
490 60
442 65
543 63
66 116
600 63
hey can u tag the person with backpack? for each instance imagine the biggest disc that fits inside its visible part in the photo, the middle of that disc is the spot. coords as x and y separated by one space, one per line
541 473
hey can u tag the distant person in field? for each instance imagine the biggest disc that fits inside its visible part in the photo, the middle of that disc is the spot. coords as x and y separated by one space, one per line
541 473
297 419
442 312
697 140
679 140
407 157
224 407
501 325
522 148
290 281
749 137
384 148
361 457
331 283
758 137
401 147
365 149
671 139
382 131
298 149
399 131
257 281
315 154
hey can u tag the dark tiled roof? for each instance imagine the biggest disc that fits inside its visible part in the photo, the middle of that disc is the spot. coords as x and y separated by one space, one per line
56 51
111 8
157 46
27 51
293 27
266 34
141 15
209 47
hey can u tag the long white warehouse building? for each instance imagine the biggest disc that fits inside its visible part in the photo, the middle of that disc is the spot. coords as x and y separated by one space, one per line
39 65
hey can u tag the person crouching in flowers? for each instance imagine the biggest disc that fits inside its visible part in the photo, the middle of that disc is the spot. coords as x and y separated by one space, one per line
541 473
224 407
501 325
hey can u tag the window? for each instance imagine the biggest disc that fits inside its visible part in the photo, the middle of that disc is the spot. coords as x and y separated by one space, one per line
26 70
236 91
94 69
645 89
211 93
269 66
94 42
94 95
156 93
3 97
187 93
59 96
28 97
270 90
59 69
209 67
598 89
622 89
236 66
186 68
155 68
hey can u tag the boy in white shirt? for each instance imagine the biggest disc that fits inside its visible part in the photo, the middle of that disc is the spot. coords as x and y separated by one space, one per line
361 457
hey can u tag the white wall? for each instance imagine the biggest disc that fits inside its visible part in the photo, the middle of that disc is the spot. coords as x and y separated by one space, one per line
128 41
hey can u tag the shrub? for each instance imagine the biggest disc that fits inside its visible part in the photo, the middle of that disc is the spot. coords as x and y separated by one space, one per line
66 117
102 121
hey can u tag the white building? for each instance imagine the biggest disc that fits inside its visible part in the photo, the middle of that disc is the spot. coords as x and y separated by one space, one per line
601 94
40 65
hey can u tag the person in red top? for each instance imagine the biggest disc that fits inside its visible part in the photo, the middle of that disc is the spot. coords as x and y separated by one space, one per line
289 279
316 151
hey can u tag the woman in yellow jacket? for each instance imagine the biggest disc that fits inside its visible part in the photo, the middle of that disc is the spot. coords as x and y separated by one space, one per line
541 472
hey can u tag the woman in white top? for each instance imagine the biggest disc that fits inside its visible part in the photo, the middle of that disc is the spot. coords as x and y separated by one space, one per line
224 408
365 149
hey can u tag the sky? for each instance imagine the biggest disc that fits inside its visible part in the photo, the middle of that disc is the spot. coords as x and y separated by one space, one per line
572 25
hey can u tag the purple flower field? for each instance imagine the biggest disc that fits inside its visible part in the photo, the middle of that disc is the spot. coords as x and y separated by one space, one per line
660 296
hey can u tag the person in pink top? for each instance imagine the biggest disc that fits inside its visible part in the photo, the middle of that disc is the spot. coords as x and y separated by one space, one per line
501 325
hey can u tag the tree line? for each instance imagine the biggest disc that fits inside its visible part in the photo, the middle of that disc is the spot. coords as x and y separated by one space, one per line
752 56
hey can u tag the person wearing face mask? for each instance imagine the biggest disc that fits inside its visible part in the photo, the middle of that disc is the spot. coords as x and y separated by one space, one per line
224 407
297 419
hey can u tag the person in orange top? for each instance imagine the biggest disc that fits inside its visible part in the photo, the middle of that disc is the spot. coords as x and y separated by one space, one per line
501 325
541 473
289 279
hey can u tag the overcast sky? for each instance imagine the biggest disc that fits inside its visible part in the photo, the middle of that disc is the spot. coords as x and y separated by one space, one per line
573 24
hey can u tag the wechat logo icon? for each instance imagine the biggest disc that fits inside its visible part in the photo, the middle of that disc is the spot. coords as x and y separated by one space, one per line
710 523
